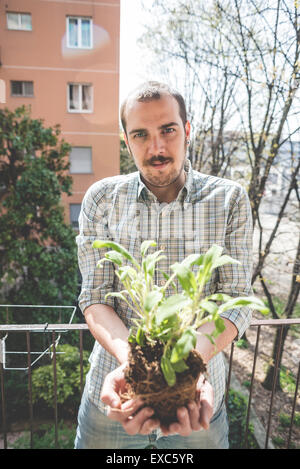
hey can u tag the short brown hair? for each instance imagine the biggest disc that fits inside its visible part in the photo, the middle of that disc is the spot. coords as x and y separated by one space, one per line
150 91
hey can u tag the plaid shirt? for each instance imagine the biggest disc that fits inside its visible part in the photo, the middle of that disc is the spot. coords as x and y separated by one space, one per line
207 210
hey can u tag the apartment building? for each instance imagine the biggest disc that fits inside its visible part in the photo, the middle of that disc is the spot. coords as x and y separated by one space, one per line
61 57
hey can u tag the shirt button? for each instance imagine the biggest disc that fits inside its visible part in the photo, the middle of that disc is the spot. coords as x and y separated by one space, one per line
162 282
163 247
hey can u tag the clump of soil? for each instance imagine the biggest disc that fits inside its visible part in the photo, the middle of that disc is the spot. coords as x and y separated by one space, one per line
145 379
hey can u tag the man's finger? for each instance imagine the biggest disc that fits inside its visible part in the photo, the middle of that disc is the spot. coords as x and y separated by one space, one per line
206 413
126 410
135 422
193 409
182 426
149 425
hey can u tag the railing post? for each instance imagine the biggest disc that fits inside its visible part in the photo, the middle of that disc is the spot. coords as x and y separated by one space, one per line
294 407
29 388
251 386
55 388
3 406
81 360
274 386
229 373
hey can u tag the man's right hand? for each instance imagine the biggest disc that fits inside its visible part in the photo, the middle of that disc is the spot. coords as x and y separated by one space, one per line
131 414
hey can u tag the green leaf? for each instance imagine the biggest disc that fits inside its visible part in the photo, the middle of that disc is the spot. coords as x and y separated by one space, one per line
224 260
150 261
220 326
168 370
219 297
145 246
213 253
171 306
152 299
210 338
167 277
193 259
127 271
140 336
250 301
209 306
114 256
180 366
186 277
98 244
115 295
184 345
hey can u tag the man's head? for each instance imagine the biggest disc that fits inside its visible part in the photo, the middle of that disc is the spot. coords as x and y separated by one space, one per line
156 133
149 91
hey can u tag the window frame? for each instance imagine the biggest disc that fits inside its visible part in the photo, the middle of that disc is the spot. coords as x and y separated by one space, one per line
23 95
19 14
79 37
80 110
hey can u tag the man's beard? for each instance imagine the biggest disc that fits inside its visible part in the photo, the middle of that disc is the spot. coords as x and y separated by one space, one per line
157 181
161 180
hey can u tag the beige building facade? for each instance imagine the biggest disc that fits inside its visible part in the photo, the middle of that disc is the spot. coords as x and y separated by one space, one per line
61 57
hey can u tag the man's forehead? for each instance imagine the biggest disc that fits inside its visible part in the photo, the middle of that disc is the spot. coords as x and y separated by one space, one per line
146 110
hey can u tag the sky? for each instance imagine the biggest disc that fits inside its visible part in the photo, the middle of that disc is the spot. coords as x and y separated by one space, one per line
132 70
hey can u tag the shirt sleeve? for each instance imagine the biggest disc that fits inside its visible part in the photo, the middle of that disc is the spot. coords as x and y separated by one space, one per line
96 282
235 279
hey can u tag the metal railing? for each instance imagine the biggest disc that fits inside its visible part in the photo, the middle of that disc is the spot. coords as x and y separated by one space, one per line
56 329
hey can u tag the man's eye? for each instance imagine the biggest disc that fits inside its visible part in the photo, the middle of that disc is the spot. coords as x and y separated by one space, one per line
169 130
140 135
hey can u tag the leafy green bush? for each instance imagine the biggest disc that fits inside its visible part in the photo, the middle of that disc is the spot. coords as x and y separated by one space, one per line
237 414
67 376
287 380
285 419
44 437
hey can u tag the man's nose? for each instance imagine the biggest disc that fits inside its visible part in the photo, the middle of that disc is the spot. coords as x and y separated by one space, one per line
156 145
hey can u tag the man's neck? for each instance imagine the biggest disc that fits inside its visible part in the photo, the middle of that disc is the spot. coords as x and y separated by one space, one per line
169 193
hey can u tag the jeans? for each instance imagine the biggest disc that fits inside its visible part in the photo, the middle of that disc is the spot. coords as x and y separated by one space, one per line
96 431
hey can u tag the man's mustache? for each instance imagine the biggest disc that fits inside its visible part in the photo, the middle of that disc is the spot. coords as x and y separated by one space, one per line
158 159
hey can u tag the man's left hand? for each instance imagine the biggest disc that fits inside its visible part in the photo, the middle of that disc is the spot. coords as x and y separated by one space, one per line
196 416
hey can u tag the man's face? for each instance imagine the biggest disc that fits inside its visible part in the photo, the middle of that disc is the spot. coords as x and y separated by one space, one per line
156 138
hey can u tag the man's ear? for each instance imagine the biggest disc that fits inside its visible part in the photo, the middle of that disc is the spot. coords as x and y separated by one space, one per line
187 129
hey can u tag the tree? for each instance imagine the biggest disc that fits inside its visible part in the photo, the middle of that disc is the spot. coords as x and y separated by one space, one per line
238 63
37 247
241 59
127 164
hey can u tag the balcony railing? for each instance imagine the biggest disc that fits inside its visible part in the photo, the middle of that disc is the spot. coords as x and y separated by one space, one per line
57 329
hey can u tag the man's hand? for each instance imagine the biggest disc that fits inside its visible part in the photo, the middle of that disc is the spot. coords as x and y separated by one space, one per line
133 417
196 416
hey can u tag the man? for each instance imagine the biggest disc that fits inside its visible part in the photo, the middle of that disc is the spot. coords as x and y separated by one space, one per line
184 211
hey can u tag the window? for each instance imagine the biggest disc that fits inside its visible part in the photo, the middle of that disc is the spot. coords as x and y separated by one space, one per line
74 215
2 92
79 97
22 88
79 32
20 21
81 160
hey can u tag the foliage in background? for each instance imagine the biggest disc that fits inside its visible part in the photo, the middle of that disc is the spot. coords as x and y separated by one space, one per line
37 247
127 164
68 379
44 437
237 414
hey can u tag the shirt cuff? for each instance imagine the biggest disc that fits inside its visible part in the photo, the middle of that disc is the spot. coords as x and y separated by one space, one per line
240 317
89 297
